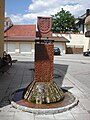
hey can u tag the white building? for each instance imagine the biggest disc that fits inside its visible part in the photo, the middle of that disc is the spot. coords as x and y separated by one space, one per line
7 23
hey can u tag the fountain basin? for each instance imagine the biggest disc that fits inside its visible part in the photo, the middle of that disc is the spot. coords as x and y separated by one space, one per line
67 103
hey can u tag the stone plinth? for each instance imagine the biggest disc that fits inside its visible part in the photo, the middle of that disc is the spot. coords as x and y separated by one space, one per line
43 62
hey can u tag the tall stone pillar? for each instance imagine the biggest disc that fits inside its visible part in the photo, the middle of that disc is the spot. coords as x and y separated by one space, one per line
43 90
44 62
2 6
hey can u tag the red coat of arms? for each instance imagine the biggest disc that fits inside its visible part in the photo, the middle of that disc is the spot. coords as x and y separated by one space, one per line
44 24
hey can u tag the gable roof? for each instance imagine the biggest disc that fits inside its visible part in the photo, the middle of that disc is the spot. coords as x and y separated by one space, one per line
21 30
20 33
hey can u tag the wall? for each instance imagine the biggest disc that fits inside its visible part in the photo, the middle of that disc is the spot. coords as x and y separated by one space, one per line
2 5
15 47
77 40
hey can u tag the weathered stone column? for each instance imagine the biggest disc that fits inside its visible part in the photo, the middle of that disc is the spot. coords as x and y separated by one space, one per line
2 6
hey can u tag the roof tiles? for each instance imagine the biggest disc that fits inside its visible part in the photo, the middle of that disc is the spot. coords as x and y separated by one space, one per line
21 30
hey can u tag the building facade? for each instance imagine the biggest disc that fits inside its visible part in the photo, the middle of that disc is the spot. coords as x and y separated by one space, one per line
78 43
7 23
87 22
20 39
2 6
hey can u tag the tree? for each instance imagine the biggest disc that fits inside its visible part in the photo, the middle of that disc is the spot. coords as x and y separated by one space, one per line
63 22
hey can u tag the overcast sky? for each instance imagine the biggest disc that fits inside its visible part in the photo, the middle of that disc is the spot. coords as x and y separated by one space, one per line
26 11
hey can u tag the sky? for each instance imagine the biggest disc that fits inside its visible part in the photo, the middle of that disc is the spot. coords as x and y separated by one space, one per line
26 11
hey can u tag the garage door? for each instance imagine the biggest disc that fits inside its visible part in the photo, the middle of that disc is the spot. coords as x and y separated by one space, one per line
74 50
25 48
10 48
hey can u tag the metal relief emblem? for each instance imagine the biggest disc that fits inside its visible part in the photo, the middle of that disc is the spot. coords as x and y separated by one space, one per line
44 24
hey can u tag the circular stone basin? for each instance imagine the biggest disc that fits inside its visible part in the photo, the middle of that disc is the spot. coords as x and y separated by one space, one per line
67 103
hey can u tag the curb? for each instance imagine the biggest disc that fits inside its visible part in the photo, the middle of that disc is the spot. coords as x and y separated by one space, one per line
45 111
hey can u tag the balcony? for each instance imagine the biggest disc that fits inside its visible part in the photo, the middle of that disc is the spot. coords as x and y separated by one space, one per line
87 34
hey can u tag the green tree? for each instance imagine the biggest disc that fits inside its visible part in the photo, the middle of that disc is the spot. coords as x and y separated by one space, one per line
63 22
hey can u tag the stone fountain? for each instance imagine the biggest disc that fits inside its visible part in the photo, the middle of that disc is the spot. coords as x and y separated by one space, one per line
43 92
43 89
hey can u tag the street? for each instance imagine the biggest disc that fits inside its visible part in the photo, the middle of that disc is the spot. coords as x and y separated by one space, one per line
71 72
78 66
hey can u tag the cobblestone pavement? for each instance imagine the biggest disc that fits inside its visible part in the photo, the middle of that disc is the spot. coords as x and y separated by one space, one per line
21 74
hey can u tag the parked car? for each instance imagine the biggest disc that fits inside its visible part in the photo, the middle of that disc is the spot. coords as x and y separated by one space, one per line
57 51
86 53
